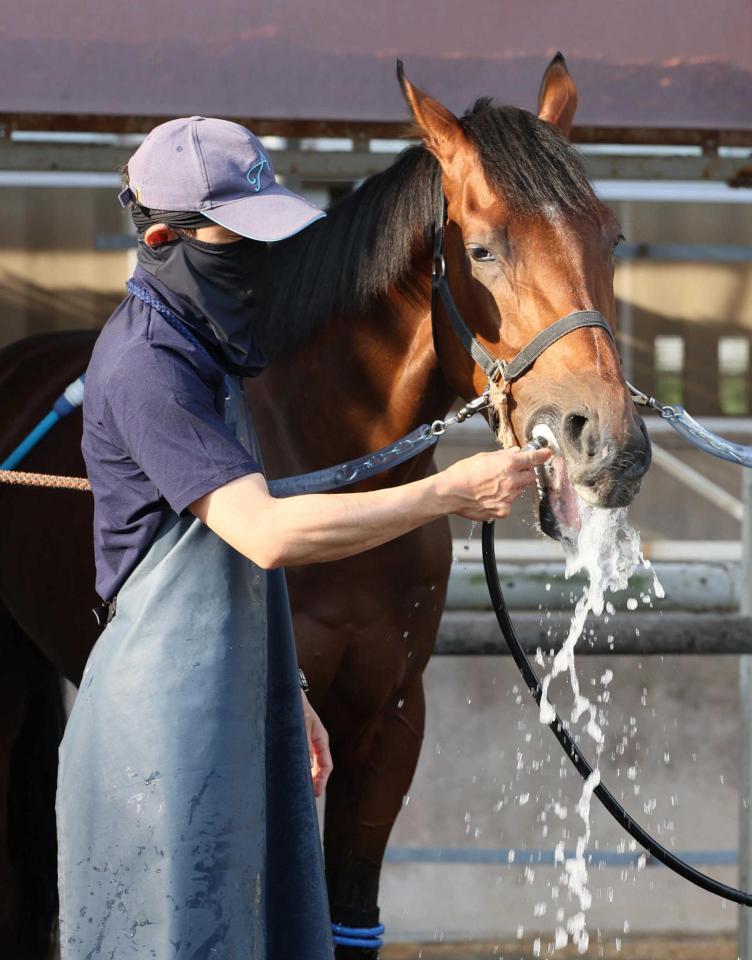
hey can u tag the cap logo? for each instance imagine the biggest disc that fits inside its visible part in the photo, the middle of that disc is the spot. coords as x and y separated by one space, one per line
254 174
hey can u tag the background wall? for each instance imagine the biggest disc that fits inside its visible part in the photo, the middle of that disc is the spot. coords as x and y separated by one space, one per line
52 276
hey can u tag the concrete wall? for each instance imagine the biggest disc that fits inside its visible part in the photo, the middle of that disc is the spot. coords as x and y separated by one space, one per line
52 276
697 301
490 771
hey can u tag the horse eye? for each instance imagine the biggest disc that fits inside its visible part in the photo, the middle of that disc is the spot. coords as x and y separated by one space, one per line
620 239
481 254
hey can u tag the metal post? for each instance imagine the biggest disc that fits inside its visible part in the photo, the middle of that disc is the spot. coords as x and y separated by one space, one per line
745 716
626 326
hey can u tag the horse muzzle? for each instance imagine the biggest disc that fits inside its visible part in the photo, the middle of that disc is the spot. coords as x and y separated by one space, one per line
588 466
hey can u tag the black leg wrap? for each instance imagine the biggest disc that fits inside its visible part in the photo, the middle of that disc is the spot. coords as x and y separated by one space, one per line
355 953
354 916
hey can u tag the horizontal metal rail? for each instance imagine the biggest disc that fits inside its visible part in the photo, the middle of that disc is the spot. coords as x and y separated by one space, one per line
326 164
473 634
686 252
696 587
541 549
541 857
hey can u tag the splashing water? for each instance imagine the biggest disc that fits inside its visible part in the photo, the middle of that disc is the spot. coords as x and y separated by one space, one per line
607 549
473 526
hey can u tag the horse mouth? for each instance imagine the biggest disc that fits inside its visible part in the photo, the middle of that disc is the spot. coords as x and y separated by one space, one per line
561 498
558 502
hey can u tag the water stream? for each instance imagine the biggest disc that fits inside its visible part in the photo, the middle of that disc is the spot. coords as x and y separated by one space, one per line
607 550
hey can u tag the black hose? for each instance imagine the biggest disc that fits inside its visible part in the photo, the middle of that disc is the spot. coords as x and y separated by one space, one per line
574 753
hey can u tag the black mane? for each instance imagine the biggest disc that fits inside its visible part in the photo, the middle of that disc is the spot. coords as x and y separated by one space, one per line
365 246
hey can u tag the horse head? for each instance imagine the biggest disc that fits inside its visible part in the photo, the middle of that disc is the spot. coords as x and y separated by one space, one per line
527 242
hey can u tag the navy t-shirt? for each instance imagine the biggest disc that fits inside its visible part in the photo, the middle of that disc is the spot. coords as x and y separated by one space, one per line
154 435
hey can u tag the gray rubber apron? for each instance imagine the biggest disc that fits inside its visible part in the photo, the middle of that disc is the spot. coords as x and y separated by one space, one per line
186 821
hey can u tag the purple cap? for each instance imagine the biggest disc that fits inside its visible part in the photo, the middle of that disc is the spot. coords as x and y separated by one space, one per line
219 169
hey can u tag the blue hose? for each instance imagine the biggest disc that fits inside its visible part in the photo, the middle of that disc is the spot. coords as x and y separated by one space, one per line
68 401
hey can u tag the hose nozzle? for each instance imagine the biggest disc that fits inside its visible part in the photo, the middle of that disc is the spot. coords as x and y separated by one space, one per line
537 443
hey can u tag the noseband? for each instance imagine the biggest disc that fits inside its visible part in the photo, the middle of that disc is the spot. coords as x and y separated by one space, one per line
498 371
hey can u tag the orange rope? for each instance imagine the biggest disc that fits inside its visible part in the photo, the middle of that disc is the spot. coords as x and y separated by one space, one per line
43 480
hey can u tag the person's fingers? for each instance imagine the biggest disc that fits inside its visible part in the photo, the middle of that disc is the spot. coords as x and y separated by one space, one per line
322 757
309 736
320 775
522 478
526 459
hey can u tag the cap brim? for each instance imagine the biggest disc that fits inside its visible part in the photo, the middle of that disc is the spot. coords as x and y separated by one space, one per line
273 214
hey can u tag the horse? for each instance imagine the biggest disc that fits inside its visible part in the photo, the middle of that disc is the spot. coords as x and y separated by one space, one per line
357 358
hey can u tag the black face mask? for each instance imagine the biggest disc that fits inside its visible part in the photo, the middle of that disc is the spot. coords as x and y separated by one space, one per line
232 267
217 280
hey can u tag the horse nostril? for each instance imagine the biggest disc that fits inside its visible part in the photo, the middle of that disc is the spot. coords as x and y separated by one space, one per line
581 433
575 426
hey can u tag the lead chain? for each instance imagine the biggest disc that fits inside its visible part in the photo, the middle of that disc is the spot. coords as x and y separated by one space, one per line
645 400
438 427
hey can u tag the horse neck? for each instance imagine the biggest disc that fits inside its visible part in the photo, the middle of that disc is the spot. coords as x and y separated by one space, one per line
364 379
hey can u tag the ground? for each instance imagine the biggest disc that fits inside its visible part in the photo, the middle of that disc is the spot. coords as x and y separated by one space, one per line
632 948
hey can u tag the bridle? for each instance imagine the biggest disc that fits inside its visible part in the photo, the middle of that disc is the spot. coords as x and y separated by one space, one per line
498 372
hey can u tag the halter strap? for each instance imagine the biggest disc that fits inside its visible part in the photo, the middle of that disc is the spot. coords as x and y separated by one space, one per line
494 368
560 328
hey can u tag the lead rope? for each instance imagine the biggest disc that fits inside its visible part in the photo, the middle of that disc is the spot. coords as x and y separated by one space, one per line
319 481
693 432
24 479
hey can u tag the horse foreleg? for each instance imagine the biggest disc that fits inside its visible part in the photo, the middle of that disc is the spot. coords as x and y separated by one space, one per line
30 727
12 706
364 796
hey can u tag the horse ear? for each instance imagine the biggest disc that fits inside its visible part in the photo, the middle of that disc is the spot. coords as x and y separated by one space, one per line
438 126
557 100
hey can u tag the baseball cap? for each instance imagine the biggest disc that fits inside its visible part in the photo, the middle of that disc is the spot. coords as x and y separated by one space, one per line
219 169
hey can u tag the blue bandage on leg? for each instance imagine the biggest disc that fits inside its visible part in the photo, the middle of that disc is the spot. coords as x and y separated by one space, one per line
366 938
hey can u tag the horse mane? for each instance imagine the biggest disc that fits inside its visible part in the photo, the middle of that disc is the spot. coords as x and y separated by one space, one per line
366 244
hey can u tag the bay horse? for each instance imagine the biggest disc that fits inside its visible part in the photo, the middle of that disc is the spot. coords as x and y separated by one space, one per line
355 362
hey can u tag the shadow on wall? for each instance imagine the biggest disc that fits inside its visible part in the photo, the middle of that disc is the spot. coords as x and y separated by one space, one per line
27 308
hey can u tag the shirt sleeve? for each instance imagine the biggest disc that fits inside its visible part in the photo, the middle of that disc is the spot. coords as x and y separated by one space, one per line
164 416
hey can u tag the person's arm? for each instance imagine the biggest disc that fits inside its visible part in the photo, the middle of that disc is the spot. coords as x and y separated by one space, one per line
317 527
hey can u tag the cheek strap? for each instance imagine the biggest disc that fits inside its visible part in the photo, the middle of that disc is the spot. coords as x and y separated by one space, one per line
508 371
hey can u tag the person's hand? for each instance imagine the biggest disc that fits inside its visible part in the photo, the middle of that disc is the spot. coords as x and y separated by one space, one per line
485 486
318 748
